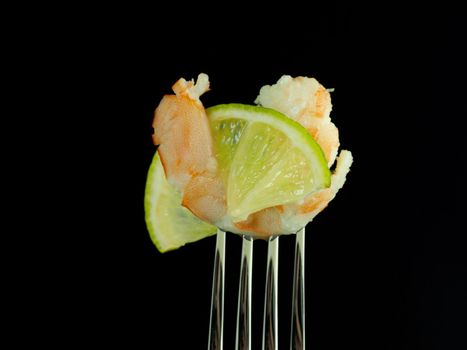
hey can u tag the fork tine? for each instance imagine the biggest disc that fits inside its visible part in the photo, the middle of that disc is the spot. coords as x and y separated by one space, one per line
297 335
243 336
270 334
216 322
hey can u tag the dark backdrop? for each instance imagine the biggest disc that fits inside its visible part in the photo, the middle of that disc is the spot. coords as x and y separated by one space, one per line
385 262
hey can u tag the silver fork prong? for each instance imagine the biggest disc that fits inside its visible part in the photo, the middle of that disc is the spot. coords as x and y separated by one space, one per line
270 324
216 322
243 335
297 334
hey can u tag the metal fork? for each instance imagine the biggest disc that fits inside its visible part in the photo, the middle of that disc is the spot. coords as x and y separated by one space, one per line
270 320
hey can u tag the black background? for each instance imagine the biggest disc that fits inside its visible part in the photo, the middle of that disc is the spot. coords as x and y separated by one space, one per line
385 262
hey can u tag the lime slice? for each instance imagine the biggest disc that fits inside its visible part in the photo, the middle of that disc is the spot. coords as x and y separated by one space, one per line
266 159
170 225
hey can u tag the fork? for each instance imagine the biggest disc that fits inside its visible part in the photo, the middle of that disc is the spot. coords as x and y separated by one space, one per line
270 317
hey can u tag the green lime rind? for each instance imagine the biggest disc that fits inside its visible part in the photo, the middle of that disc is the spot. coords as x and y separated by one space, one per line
170 225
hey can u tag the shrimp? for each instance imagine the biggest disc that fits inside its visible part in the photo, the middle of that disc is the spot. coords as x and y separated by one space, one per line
306 101
182 131
186 150
309 103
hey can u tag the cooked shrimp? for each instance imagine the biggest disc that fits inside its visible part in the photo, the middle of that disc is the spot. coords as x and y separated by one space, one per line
184 137
309 103
182 131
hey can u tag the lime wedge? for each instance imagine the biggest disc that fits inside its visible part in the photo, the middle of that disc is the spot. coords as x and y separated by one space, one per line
170 225
265 158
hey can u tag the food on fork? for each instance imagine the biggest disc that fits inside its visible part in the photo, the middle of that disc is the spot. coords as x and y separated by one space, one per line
257 170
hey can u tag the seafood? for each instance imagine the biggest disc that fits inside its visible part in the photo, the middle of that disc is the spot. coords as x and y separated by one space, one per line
181 129
309 103
183 134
